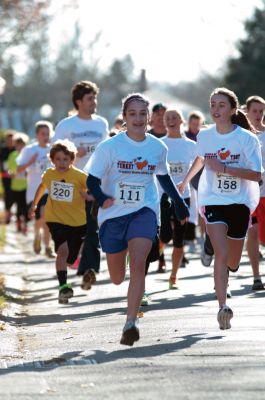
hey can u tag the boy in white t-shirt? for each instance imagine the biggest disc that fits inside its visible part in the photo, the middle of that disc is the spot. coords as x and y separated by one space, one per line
85 130
34 159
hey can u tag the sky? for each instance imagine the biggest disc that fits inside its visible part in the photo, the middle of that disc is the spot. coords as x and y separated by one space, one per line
174 40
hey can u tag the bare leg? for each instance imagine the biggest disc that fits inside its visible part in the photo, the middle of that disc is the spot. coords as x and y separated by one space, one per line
61 259
177 256
139 249
253 249
217 233
117 266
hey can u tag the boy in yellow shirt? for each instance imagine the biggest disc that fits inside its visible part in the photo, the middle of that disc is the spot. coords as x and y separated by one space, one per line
64 211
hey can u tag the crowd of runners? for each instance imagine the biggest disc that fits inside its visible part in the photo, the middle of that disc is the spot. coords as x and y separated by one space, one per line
129 191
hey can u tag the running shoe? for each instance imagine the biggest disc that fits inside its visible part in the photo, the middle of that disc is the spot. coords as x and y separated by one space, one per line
206 259
257 285
75 265
173 283
130 333
49 253
225 314
89 278
37 245
65 293
145 300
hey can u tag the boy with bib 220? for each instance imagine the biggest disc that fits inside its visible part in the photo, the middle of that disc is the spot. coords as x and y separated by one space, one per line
64 211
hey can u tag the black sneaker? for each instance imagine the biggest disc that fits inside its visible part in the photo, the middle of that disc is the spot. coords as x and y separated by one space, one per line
89 278
130 333
65 293
257 285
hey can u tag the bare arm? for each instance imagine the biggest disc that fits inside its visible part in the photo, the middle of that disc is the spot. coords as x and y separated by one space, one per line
197 165
243 173
38 195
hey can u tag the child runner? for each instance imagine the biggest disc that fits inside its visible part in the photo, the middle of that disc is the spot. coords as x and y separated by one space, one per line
255 107
34 160
228 188
122 179
181 154
65 212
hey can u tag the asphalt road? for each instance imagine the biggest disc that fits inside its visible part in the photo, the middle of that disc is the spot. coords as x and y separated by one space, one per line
72 351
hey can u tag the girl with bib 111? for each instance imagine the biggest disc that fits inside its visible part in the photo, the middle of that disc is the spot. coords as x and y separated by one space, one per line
228 190
122 179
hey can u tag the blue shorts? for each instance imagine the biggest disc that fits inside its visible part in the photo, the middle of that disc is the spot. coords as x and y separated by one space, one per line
115 233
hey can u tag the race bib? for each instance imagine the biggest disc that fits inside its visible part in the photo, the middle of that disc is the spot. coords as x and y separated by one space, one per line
90 147
177 169
61 191
129 194
226 184
41 165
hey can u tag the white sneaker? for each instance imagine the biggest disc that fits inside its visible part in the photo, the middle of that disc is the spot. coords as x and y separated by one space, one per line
206 259
225 314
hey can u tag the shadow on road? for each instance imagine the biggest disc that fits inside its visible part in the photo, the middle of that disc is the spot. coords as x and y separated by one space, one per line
101 357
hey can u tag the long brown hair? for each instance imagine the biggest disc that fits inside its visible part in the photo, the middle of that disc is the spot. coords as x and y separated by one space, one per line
239 117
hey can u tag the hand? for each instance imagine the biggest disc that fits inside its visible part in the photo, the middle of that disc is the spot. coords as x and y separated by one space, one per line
31 212
214 165
108 203
181 187
87 196
81 152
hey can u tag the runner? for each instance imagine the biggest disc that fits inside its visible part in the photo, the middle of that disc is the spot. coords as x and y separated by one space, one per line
19 182
181 154
158 130
65 212
122 179
255 111
34 160
85 130
228 188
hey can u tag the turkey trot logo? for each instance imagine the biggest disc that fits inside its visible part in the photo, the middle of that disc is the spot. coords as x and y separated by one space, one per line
223 153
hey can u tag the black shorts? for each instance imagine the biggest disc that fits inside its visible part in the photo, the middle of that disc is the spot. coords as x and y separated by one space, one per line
235 216
41 204
73 235
171 228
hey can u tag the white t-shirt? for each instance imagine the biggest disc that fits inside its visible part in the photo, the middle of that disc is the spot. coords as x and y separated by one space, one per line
239 149
261 138
127 171
35 170
87 133
181 154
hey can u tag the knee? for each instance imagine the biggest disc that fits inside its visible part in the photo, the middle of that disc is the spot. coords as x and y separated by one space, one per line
233 268
117 280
